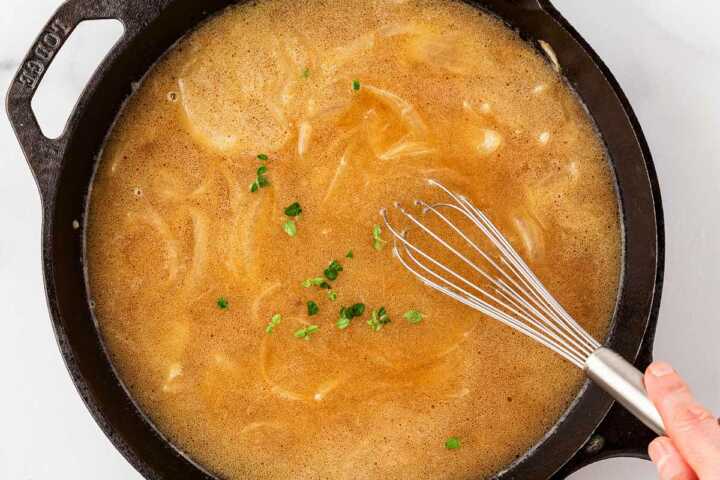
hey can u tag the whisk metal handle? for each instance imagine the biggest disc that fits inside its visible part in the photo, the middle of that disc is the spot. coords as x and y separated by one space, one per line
624 382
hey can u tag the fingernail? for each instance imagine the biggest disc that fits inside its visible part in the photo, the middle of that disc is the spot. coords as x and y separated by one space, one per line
660 369
658 451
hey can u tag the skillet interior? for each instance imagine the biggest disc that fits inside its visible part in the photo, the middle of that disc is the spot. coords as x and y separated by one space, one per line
152 27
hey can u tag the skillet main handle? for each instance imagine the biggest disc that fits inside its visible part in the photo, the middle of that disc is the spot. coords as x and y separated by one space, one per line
44 154
624 382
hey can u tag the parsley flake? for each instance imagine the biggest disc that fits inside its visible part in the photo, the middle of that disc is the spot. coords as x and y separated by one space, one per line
260 179
348 313
452 443
357 309
293 210
312 308
378 318
290 228
306 332
274 322
332 295
262 157
350 254
378 242
317 282
413 316
331 272
313 281
223 303
306 73
356 85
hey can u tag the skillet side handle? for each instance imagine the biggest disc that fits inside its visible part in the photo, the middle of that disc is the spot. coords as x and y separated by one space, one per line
620 434
42 153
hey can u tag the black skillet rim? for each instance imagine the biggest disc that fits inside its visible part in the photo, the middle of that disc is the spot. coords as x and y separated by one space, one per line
149 452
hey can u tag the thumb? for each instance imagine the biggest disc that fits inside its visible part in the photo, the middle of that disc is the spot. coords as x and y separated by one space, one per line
693 430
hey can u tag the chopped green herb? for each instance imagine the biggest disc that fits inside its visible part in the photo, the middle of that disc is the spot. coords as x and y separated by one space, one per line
306 73
317 281
378 242
332 295
313 308
349 254
260 179
274 322
293 210
356 85
223 303
348 313
262 157
452 443
331 272
378 318
290 228
357 310
413 316
306 332
313 281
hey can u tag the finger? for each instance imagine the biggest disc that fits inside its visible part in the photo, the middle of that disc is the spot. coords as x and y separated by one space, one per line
693 430
668 460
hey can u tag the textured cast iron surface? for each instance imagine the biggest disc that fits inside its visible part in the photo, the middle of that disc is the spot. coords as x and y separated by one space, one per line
63 168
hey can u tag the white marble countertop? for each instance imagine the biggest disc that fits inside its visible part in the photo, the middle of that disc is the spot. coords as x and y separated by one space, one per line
664 53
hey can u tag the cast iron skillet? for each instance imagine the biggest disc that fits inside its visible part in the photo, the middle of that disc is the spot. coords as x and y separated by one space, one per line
591 429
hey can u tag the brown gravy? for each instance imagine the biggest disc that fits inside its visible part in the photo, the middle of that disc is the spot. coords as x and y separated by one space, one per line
444 91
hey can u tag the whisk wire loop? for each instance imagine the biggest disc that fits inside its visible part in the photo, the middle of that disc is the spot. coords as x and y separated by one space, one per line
513 295
517 297
528 306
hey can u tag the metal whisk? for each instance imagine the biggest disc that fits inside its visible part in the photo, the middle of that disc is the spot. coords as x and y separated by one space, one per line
511 293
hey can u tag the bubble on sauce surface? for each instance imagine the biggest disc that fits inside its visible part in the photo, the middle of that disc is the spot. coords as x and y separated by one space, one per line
543 138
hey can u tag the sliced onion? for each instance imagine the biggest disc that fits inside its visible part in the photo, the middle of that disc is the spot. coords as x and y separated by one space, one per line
532 236
444 52
550 54
341 166
152 218
200 244
251 427
404 109
342 55
304 132
237 101
406 149
260 298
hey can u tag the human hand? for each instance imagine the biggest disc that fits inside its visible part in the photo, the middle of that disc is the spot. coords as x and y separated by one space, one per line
692 448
